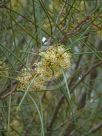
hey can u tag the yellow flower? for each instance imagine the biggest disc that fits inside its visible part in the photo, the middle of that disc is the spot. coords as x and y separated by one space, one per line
24 78
53 60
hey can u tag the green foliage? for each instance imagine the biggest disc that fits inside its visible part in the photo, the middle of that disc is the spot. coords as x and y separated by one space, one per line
74 108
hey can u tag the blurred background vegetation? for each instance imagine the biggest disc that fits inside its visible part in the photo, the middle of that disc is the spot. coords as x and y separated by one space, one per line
24 24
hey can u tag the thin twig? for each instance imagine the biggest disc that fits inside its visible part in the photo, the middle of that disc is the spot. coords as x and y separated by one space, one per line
60 102
75 29
96 127
7 92
87 72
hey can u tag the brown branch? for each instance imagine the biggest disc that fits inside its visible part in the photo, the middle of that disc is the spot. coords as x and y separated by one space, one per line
60 102
96 26
67 133
87 72
7 91
75 29
95 128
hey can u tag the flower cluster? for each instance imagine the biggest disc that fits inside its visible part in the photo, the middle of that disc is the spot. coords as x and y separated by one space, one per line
50 66
53 61
24 77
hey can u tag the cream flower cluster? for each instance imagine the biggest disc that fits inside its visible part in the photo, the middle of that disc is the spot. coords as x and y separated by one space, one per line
24 77
54 60
50 66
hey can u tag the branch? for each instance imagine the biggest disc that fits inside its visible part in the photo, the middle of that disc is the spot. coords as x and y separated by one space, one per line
75 29
60 102
87 72
7 91
95 128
